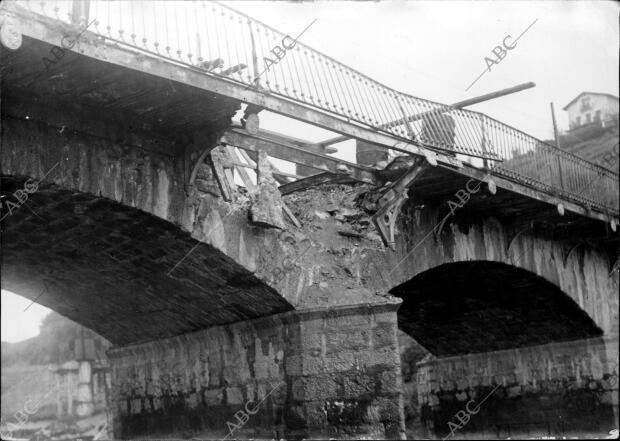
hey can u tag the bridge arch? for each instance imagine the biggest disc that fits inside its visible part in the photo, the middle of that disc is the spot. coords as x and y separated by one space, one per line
481 306
581 272
125 273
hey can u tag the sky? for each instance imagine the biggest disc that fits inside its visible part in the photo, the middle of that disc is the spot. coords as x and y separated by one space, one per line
434 50
20 317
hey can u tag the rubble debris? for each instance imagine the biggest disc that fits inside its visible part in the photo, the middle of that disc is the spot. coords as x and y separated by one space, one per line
351 207
266 207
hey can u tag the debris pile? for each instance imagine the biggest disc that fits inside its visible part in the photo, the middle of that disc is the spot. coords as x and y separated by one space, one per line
351 207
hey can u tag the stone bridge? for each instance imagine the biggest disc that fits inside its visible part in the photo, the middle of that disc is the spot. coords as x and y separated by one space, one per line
125 216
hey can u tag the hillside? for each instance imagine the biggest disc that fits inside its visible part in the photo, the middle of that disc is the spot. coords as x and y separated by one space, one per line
25 364
59 340
593 142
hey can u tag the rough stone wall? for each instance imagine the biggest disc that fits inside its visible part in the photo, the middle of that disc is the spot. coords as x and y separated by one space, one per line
411 354
320 372
554 389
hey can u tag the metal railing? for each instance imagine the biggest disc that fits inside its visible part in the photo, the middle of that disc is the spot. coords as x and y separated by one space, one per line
226 43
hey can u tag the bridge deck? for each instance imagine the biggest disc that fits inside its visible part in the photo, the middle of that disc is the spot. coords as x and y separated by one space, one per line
118 75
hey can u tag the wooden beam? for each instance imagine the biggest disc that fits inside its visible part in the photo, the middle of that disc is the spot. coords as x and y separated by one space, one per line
296 141
288 152
223 178
290 215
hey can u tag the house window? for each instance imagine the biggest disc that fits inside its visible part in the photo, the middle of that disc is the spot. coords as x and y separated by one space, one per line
585 103
578 121
588 119
597 116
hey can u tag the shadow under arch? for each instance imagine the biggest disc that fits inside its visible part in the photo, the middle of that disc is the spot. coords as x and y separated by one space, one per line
107 266
481 306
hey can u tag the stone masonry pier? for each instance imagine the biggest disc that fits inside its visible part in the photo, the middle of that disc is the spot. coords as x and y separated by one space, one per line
314 373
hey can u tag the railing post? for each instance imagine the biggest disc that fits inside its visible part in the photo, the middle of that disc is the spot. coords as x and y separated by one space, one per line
485 163
254 57
79 11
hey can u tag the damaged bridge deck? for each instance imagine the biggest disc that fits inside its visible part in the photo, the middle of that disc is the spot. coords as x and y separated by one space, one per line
163 94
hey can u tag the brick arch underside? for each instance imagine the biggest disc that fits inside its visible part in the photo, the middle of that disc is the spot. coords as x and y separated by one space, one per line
108 267
481 306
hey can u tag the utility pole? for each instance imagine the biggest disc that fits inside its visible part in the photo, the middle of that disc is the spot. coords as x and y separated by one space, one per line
557 144
555 127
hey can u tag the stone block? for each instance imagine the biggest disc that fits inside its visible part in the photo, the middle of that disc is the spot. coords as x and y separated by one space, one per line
358 385
342 361
386 356
343 340
311 340
373 414
313 365
293 365
214 397
389 409
316 388
337 321
609 397
461 396
384 335
234 395
390 381
192 400
513 391
316 415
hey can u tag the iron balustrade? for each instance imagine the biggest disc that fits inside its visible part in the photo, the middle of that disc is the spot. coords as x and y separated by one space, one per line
226 43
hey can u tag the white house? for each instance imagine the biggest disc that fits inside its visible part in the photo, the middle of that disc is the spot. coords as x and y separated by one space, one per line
590 107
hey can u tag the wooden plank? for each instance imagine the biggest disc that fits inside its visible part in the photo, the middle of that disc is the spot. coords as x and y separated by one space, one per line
290 215
247 181
310 146
220 175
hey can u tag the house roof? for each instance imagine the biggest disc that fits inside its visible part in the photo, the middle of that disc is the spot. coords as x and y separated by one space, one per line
589 93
